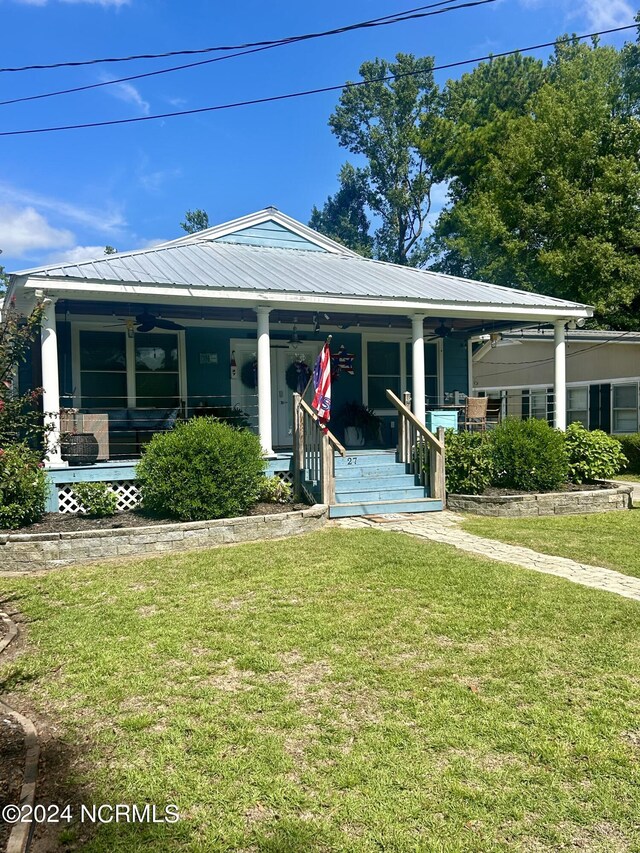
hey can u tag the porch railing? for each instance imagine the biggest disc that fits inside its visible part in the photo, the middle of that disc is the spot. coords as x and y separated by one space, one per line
314 448
419 448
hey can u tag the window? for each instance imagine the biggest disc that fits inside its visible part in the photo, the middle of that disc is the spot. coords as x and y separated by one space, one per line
625 408
103 369
389 367
578 406
539 404
117 371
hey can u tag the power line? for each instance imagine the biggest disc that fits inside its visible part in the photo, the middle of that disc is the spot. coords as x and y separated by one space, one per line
410 15
304 93
222 48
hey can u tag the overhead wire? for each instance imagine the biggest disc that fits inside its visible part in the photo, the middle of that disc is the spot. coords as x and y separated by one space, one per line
401 17
307 92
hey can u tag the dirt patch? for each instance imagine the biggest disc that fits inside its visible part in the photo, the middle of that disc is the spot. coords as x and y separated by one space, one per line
66 522
12 758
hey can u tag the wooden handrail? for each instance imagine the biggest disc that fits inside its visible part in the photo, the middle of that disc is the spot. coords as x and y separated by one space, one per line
307 408
408 414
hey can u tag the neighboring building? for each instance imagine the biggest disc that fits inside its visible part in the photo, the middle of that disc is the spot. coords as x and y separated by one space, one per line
603 376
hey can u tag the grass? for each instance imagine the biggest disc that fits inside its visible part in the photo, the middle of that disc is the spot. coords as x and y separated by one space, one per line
607 539
345 691
628 478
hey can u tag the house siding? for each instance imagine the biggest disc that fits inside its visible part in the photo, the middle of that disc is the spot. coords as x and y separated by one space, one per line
455 368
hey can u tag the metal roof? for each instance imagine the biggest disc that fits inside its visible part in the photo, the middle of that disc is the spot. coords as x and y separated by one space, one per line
577 335
219 266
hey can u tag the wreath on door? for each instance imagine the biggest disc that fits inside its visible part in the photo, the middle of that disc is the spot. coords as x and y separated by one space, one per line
298 375
249 374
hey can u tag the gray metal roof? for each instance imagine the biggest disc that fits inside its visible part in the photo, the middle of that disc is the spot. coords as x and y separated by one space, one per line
224 266
577 335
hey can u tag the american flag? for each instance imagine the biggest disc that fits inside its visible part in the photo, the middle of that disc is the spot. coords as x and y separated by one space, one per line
322 384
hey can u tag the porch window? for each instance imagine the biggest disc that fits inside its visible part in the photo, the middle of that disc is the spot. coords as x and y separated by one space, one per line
103 369
625 408
539 404
383 360
430 372
157 375
578 406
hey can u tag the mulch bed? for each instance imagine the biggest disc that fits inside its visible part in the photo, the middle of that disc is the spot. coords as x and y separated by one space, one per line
12 757
66 522
566 487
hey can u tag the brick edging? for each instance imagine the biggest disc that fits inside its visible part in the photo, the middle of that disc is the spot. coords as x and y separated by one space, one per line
23 552
544 503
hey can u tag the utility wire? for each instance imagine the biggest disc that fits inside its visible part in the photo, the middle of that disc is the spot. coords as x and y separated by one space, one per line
402 16
223 48
304 93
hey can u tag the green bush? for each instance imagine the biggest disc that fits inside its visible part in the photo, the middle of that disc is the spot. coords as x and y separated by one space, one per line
97 499
469 463
630 445
23 486
592 455
273 490
201 469
529 456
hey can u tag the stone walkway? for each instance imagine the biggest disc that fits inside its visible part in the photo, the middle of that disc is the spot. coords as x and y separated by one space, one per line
445 527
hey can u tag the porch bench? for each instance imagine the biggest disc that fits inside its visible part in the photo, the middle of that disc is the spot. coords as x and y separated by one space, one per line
129 429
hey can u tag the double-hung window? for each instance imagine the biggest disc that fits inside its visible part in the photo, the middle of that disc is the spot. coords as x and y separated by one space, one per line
578 406
389 365
625 408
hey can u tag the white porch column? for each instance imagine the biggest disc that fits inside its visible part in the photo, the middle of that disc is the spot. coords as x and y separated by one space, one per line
264 380
560 375
418 394
50 380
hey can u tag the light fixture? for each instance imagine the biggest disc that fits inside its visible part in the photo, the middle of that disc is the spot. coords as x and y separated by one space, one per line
294 341
316 324
495 338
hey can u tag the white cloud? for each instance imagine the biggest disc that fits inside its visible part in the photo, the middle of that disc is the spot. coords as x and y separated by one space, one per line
106 220
597 14
77 254
128 93
24 230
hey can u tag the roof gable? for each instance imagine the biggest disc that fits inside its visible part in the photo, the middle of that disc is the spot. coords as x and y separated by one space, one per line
267 228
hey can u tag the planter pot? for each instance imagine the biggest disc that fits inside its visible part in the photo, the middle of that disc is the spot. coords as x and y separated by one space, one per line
79 448
353 437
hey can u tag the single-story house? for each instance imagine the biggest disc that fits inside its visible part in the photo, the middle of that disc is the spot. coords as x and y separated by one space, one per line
603 376
232 317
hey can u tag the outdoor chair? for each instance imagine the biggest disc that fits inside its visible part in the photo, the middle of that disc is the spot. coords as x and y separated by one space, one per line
475 413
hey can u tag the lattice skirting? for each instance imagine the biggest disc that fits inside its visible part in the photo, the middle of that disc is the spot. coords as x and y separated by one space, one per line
126 490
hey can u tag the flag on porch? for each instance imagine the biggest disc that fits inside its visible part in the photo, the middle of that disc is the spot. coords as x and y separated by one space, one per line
322 384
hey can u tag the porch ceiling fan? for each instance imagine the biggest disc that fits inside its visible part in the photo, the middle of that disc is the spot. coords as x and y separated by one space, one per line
147 322
441 332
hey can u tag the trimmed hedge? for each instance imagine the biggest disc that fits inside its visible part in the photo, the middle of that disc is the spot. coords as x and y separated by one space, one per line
529 455
202 469
469 462
23 486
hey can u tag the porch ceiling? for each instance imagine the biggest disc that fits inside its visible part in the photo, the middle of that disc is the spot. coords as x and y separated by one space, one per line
327 319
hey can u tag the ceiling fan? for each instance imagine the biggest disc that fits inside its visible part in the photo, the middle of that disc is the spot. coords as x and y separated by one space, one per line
147 322
441 332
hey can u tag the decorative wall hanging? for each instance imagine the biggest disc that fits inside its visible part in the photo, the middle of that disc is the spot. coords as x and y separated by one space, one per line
342 362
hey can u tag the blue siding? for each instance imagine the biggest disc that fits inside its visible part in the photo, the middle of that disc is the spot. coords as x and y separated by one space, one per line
270 234
455 368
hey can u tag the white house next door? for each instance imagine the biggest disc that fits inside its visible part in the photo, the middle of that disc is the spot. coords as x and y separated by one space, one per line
282 359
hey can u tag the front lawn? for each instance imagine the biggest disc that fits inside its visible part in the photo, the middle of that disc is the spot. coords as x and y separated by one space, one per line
344 691
608 539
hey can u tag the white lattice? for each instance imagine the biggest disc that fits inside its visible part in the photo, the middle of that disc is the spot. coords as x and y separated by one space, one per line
285 476
126 490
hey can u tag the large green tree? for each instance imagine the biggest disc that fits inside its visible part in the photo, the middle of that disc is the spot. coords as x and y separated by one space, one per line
550 201
381 123
195 220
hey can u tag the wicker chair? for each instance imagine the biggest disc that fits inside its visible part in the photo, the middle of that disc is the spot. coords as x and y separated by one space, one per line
475 413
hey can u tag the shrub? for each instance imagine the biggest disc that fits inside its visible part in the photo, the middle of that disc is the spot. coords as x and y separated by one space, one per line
201 469
468 462
23 486
529 456
97 499
592 455
273 490
630 445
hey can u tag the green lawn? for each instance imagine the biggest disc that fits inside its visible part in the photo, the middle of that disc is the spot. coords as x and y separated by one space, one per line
608 539
630 478
345 691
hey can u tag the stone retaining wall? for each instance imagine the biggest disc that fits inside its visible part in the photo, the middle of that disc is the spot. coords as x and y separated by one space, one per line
552 503
22 552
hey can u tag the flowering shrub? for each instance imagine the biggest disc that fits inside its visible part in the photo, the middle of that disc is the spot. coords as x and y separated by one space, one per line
592 455
273 490
469 462
23 486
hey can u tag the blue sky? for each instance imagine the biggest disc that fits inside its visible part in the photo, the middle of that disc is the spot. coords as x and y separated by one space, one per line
66 195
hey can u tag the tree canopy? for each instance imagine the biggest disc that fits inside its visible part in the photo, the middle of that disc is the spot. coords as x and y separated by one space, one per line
195 220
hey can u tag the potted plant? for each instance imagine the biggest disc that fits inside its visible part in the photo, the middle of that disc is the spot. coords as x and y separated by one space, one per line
360 424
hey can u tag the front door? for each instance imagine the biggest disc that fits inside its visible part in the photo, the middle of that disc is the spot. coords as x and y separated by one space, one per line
284 375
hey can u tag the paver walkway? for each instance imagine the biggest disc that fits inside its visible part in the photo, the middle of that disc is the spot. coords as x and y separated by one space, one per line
445 527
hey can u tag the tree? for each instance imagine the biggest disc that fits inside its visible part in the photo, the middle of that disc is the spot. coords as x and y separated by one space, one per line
344 215
109 250
195 220
551 203
381 122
